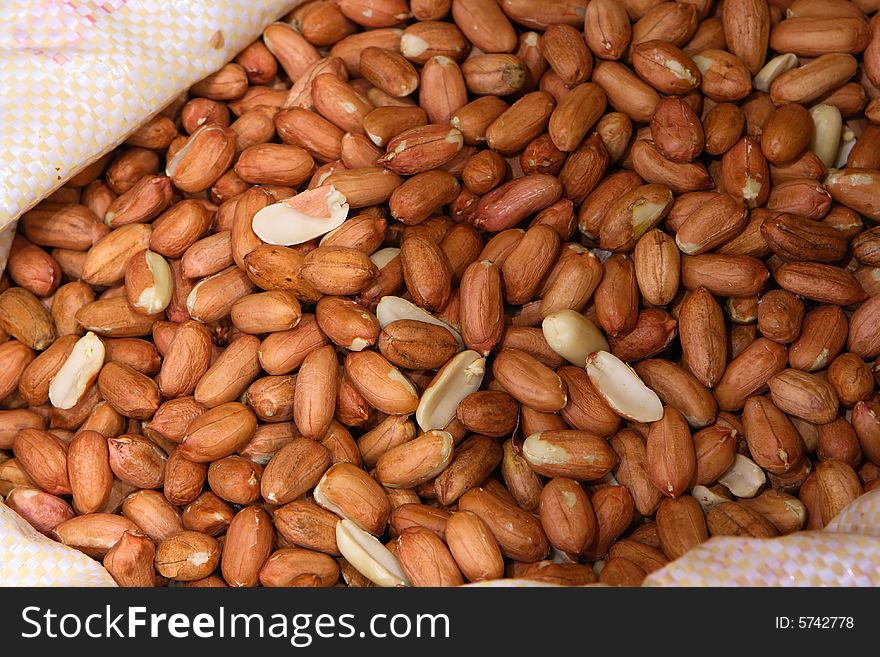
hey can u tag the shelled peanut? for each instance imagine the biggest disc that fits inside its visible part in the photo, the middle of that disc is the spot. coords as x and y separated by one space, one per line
440 292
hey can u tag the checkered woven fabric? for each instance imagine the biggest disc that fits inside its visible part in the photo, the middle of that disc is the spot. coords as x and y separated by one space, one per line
827 558
27 558
78 76
858 518
845 553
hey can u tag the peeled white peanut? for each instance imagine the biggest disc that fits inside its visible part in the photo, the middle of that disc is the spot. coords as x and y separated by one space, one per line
826 136
707 498
391 309
78 372
458 378
156 297
572 336
301 218
622 389
744 478
383 256
368 556
772 70
847 143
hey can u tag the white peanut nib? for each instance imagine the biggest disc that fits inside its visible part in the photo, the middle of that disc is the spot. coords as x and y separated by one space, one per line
847 143
78 372
619 385
149 277
827 130
572 336
744 478
368 556
772 70
301 218
391 309
458 378
707 498
383 256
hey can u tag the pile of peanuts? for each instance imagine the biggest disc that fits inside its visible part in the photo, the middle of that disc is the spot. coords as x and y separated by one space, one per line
446 291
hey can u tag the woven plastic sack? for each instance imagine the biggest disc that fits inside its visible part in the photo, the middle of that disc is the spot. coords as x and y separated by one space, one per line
78 76
27 558
845 553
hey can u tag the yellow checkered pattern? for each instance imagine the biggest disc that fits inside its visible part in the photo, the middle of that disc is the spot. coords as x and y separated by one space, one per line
27 558
78 76
845 553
